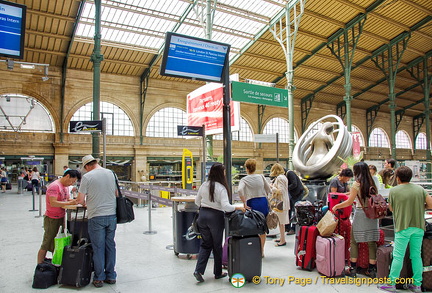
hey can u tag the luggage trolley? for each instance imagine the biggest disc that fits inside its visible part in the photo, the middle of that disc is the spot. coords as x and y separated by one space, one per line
185 241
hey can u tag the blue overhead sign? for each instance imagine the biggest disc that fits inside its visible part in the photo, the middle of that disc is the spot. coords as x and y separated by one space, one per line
12 29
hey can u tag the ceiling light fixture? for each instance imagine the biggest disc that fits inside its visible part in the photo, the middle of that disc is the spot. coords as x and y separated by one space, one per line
27 66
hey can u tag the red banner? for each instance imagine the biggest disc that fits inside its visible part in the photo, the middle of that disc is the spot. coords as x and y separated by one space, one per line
205 107
356 144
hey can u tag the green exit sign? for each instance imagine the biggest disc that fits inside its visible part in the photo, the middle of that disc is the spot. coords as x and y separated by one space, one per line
258 94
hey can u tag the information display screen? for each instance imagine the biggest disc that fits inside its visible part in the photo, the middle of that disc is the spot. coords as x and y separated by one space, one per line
194 58
12 29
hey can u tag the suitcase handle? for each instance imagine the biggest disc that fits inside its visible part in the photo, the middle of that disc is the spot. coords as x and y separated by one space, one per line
82 226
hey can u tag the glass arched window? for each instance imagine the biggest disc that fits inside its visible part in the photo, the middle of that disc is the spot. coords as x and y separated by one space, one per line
245 133
281 126
164 122
314 129
356 129
420 143
402 140
379 139
117 121
22 113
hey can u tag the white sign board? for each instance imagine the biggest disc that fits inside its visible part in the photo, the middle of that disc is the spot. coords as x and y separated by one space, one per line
265 137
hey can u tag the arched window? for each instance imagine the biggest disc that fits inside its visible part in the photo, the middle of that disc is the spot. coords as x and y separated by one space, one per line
164 122
379 139
245 133
356 129
117 121
22 113
421 142
281 126
402 140
314 129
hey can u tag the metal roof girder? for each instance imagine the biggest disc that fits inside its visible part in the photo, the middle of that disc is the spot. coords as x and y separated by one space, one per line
274 20
371 114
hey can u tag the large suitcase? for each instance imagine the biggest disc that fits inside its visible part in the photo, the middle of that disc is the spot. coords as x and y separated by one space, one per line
363 252
335 198
77 261
427 264
344 229
384 259
244 256
330 255
306 253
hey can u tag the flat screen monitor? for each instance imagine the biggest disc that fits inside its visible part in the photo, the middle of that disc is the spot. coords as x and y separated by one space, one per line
194 58
12 29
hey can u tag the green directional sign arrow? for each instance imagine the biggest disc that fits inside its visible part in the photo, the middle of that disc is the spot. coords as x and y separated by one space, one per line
258 94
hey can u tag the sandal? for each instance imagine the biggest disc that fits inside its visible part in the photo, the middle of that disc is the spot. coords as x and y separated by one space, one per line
277 240
280 244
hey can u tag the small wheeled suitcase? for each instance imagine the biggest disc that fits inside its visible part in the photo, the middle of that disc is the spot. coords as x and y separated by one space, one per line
77 265
330 255
305 254
244 256
335 198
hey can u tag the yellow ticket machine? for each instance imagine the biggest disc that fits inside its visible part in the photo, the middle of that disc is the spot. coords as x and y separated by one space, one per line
187 169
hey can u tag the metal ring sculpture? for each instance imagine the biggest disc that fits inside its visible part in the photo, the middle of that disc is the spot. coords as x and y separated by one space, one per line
320 155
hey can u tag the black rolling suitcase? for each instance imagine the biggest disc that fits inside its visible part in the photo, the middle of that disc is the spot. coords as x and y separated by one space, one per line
244 256
77 263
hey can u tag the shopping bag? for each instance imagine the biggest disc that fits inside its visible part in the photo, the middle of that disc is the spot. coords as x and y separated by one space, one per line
60 241
327 224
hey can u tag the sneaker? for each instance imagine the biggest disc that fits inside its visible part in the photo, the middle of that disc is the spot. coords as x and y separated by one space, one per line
414 288
371 273
198 277
387 287
351 272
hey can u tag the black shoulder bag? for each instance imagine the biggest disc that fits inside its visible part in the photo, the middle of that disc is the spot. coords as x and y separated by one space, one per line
124 210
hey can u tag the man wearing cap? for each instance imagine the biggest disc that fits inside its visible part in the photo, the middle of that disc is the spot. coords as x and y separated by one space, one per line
98 191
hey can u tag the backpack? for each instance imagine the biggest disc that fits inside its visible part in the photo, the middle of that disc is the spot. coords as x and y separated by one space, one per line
305 213
376 205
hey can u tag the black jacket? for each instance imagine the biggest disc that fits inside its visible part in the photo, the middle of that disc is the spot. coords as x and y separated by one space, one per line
295 186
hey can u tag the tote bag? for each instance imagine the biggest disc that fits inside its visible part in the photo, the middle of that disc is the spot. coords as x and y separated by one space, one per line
124 209
60 241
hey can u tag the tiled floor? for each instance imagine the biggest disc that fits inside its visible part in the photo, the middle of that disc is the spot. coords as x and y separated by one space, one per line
144 264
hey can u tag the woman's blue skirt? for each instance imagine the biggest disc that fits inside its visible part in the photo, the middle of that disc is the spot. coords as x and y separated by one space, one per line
259 204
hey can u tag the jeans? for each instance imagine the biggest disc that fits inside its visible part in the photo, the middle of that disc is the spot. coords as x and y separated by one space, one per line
413 236
102 232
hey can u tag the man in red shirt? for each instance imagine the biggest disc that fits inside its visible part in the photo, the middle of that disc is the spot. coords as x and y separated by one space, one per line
57 196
